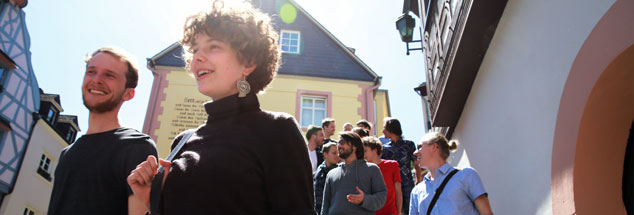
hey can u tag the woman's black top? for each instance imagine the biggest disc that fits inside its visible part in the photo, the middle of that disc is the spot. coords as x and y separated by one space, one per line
241 161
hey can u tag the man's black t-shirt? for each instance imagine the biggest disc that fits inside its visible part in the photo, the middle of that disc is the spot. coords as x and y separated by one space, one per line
91 175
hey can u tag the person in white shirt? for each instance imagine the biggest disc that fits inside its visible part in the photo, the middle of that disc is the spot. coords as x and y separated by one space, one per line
315 137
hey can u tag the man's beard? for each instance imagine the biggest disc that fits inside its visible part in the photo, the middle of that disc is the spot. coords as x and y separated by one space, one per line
343 154
105 106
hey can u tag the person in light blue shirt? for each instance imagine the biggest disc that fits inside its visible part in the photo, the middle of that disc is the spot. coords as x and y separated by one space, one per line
463 193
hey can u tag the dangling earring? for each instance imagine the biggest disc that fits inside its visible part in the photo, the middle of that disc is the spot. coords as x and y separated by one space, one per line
243 87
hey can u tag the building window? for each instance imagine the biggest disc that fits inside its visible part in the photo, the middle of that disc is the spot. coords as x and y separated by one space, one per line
51 115
3 73
70 136
289 41
313 110
28 211
43 169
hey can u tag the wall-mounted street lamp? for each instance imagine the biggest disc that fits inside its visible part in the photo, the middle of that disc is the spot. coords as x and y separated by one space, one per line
405 26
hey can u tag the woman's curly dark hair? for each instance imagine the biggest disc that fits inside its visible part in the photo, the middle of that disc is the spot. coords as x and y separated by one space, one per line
249 32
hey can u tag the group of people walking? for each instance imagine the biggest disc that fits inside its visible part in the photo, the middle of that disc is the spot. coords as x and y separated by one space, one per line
385 175
244 160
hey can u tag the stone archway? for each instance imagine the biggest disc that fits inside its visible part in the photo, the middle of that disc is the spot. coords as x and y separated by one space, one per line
595 113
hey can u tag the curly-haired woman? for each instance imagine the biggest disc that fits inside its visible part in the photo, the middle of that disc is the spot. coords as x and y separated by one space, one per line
243 160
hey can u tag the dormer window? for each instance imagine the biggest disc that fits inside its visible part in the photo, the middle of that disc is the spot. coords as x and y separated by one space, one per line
66 127
70 135
52 115
6 65
3 74
50 107
289 41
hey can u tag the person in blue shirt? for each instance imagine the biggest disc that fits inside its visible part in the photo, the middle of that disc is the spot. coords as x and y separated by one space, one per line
402 151
463 193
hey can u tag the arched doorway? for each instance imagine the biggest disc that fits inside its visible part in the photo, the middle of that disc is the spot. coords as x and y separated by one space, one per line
628 174
602 139
594 119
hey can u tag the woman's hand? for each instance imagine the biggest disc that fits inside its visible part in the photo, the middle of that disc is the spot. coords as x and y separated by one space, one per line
140 179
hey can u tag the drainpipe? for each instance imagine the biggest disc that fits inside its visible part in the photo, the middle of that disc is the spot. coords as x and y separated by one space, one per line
369 102
152 102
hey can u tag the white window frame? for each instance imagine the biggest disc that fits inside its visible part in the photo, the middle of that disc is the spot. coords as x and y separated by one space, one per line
299 39
52 117
45 163
70 135
313 108
29 211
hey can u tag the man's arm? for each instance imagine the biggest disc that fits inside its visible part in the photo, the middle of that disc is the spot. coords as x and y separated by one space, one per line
375 201
475 188
399 197
482 204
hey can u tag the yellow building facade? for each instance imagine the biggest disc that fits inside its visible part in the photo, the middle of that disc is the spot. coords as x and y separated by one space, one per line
176 105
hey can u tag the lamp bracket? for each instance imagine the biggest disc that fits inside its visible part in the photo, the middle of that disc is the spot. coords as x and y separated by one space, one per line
414 49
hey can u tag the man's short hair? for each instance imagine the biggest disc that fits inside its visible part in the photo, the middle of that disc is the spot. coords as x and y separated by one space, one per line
365 123
327 146
312 130
374 144
132 74
247 30
326 122
361 132
355 141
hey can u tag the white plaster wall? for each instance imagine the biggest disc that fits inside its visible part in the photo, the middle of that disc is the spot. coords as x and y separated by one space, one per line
30 188
508 123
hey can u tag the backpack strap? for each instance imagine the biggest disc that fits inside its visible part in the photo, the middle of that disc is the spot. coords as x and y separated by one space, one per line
439 190
155 191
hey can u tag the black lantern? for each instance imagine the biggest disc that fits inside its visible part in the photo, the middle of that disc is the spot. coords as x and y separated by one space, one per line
405 26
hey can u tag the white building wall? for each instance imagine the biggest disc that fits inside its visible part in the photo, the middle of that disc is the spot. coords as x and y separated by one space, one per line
507 128
31 189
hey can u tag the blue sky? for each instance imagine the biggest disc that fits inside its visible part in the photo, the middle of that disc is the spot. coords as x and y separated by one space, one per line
63 32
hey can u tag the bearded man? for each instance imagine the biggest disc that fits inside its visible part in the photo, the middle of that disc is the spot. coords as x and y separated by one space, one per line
355 187
91 175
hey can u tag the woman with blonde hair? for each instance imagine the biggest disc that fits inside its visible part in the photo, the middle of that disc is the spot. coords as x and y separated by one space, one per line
445 189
